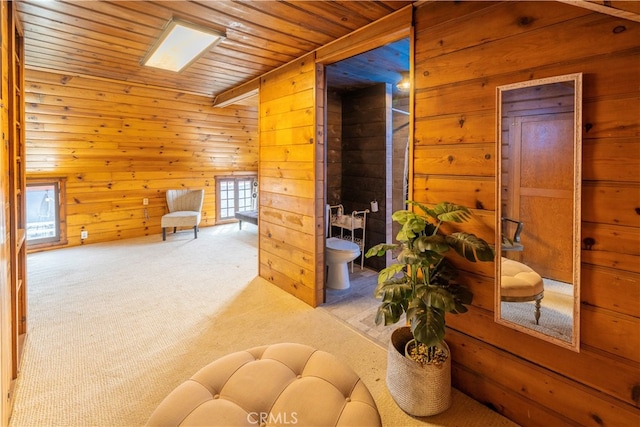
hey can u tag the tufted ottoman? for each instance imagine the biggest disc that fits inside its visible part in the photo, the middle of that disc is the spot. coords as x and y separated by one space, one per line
276 385
520 283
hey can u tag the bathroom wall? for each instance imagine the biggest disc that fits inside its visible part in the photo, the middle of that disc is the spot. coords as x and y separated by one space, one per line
364 168
334 147
366 160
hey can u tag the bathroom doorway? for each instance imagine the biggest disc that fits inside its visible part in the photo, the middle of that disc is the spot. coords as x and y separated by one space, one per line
367 160
367 139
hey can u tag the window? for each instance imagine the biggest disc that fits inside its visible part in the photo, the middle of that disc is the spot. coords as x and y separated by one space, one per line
45 213
235 194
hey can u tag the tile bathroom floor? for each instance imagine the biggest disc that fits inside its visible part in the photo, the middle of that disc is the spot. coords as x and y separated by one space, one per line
357 306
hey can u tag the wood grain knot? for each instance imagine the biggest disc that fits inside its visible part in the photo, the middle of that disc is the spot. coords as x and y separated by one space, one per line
524 21
635 393
589 242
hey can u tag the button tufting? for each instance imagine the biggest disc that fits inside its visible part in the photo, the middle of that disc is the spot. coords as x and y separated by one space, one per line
320 372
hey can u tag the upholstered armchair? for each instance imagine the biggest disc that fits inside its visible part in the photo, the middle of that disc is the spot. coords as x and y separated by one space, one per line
185 208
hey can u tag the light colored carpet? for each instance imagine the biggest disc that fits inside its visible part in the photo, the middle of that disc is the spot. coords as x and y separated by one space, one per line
114 327
556 311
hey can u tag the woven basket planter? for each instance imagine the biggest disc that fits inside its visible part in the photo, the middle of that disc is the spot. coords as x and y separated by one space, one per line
418 390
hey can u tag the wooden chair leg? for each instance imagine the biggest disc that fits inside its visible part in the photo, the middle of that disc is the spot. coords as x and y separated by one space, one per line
174 229
164 233
538 301
195 231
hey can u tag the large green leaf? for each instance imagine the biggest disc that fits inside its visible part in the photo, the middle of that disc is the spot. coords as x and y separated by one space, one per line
397 289
449 212
440 298
412 226
463 296
401 216
411 257
443 273
390 272
389 313
429 212
380 249
427 323
470 247
436 243
394 294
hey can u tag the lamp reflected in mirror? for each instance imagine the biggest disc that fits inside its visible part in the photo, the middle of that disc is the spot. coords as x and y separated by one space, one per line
538 186
404 85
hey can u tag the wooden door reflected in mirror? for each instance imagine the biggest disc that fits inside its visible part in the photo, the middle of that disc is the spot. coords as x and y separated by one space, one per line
538 208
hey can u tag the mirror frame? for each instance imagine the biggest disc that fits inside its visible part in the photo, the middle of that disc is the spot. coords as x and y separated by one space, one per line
576 78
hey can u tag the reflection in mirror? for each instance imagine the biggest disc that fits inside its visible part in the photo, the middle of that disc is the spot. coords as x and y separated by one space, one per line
538 208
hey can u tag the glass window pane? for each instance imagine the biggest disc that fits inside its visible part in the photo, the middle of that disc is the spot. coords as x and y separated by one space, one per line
236 194
43 219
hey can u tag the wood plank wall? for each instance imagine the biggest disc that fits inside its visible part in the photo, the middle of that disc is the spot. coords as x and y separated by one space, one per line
463 51
6 351
366 161
366 172
291 191
334 147
117 143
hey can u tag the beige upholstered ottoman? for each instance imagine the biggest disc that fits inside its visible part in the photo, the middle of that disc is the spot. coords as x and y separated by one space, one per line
276 385
520 283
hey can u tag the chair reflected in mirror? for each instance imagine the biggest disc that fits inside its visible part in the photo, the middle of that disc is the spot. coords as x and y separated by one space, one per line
511 227
538 183
519 282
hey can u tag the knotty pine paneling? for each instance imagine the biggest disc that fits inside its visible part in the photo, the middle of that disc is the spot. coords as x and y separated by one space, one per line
289 220
117 143
6 261
108 38
463 51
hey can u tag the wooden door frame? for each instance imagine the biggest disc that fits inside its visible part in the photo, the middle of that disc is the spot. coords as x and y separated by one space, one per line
394 27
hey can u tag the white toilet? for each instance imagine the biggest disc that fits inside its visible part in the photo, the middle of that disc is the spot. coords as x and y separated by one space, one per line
338 253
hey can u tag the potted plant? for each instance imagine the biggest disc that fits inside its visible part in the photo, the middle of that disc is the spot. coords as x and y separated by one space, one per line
421 286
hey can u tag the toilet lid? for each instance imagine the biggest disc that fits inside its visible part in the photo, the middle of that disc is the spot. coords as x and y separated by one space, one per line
341 244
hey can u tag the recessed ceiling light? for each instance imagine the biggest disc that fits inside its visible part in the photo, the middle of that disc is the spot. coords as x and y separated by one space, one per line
180 44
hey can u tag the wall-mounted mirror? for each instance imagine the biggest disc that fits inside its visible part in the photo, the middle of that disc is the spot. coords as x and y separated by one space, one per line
538 186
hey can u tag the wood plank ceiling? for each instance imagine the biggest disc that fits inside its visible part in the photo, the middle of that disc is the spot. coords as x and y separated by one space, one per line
107 39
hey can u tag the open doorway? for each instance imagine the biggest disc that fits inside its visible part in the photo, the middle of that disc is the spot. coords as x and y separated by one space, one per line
367 140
